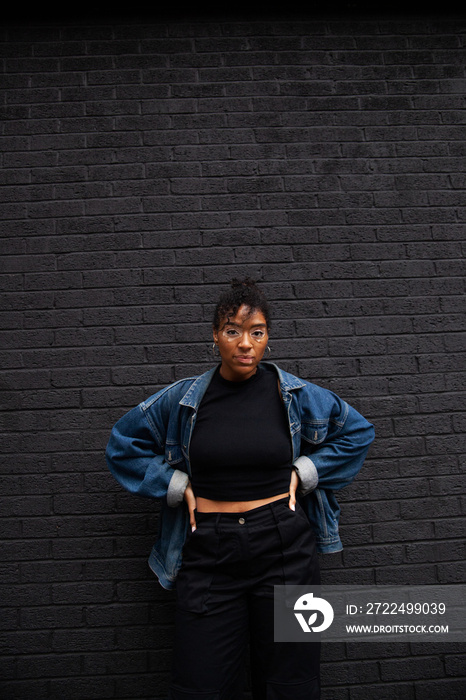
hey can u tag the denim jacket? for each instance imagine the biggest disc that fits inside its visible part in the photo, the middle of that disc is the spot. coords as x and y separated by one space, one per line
148 453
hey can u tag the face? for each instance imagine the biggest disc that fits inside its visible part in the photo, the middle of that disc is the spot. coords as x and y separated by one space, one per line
241 340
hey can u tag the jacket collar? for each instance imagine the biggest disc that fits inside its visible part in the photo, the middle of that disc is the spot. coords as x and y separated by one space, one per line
288 381
196 391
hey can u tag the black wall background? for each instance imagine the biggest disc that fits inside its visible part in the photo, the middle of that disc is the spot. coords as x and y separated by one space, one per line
147 161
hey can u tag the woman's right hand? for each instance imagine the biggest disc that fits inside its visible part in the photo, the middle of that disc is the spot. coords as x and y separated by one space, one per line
190 499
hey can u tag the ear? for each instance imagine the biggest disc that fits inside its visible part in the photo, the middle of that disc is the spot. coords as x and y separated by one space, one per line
215 335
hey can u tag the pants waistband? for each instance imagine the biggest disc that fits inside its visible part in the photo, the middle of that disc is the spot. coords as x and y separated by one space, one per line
251 517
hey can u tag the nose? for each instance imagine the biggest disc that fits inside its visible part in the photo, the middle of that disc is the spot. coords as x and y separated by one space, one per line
245 341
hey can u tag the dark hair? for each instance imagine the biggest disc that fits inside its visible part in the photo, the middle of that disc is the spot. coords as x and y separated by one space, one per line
241 292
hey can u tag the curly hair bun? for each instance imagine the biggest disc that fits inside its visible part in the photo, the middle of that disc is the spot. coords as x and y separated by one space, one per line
246 282
242 292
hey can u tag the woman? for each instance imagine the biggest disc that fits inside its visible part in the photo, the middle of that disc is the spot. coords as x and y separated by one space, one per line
245 459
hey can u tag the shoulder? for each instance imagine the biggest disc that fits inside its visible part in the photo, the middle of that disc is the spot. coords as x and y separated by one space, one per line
306 394
288 381
184 391
171 390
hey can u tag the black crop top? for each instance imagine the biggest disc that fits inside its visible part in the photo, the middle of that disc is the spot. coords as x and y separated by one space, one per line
241 445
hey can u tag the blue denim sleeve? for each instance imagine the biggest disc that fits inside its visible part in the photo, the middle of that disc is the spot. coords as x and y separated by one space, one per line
135 456
337 447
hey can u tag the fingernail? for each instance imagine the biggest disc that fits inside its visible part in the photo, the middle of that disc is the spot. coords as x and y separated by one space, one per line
292 506
193 528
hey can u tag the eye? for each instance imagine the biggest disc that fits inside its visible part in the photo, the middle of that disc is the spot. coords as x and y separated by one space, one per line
258 334
231 333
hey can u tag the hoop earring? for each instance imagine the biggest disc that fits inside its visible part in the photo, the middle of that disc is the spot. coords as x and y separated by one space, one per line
268 350
215 347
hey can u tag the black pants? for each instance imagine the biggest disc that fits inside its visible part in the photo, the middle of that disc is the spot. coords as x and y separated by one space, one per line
225 600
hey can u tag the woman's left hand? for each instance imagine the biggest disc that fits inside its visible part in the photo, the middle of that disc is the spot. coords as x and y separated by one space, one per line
190 499
294 483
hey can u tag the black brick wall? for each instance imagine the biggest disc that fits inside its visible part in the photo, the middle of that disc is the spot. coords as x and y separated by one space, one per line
143 165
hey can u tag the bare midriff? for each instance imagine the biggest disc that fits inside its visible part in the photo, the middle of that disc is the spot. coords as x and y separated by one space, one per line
206 505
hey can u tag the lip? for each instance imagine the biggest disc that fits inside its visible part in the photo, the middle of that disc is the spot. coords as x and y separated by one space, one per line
244 359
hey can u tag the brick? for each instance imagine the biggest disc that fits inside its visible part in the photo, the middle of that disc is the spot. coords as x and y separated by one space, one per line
387 691
408 575
402 531
404 669
346 673
452 688
42 666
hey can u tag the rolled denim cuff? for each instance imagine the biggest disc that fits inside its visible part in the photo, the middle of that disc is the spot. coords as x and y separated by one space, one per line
307 472
176 488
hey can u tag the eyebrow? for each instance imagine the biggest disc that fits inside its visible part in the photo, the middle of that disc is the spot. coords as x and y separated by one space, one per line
240 325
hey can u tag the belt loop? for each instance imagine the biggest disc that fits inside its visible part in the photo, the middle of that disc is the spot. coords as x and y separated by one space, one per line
217 522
